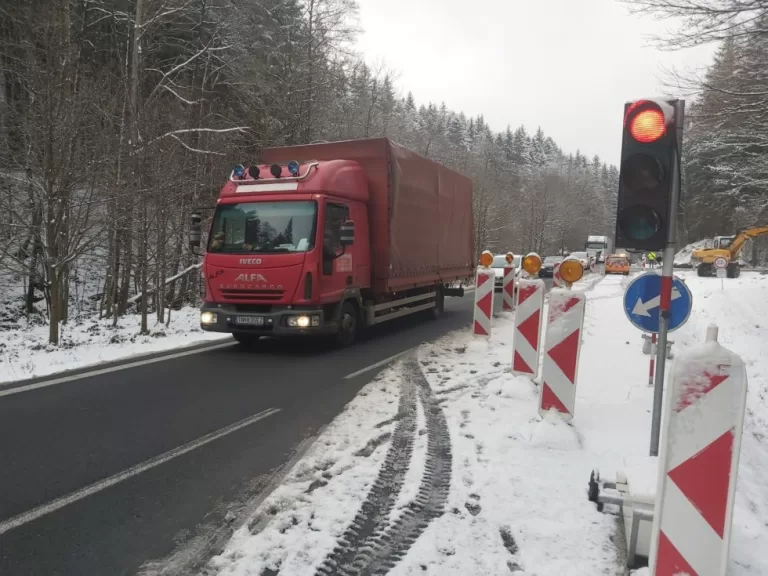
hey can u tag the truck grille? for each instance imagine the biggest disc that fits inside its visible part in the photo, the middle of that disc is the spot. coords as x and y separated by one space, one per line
253 295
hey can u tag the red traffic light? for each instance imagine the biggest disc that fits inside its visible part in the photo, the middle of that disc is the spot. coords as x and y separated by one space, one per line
646 122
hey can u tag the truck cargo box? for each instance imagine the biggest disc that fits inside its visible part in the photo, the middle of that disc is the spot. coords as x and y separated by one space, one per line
420 211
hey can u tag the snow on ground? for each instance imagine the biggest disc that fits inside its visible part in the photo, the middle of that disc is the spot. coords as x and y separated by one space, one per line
298 525
683 257
517 501
739 306
25 352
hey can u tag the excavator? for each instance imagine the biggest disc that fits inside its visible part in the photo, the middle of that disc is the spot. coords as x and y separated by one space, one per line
727 247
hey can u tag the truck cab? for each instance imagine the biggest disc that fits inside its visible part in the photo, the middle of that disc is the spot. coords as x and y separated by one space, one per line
286 245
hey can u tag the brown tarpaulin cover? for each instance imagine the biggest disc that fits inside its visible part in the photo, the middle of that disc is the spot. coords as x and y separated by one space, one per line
420 211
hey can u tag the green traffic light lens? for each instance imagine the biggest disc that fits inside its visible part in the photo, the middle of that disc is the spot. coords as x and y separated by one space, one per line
641 172
639 223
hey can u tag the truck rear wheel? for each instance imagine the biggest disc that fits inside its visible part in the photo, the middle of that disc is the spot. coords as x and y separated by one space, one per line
348 326
733 270
437 311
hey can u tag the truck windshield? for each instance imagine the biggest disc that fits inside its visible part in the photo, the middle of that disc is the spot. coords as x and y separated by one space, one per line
596 246
264 227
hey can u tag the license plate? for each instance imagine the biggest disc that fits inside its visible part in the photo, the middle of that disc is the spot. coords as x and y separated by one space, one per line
250 320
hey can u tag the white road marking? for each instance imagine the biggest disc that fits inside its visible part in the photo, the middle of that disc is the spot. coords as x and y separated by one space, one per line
45 509
377 364
98 372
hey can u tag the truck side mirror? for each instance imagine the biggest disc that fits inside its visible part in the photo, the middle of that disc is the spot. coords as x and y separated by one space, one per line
195 231
347 233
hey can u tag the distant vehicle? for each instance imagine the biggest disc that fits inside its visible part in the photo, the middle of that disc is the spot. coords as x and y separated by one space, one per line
599 247
548 266
326 239
582 257
499 263
617 264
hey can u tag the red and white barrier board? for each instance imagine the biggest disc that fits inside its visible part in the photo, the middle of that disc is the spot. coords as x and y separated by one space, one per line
557 281
484 284
562 344
508 289
698 463
525 342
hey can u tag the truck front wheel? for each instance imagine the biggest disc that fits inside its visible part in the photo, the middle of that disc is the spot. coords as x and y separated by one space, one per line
348 326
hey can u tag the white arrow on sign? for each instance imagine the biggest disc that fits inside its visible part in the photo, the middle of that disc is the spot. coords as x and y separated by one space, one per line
641 308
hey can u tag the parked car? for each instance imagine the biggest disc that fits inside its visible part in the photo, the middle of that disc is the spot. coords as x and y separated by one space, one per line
499 263
548 266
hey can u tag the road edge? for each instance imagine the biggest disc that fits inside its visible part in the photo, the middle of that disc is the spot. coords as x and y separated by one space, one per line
98 368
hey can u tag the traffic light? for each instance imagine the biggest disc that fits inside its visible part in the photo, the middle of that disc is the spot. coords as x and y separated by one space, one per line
648 152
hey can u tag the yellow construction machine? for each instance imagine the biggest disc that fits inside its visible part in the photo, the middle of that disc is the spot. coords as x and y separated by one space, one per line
728 247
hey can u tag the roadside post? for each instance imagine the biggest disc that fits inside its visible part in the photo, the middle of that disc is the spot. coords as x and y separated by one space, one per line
484 287
643 306
508 285
527 334
667 276
698 466
557 280
721 266
652 362
562 344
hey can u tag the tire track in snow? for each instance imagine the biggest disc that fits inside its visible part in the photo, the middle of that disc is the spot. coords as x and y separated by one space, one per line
432 495
354 549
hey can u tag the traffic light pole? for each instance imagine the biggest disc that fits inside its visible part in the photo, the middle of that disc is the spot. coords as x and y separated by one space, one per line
667 273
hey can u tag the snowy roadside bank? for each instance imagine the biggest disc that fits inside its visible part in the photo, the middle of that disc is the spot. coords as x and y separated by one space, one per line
25 353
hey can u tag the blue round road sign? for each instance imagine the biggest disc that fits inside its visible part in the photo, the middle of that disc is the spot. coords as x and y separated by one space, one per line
642 299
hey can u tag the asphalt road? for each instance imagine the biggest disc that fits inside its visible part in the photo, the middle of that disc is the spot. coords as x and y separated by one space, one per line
144 467
61 439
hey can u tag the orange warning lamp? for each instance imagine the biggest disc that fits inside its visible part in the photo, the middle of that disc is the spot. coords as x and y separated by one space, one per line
486 259
571 270
510 258
532 263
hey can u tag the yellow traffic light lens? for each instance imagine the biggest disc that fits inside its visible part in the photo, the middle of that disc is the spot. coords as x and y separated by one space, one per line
571 270
532 263
647 126
639 222
486 259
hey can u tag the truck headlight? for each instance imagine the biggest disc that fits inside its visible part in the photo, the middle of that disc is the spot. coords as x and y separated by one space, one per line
298 321
303 321
207 317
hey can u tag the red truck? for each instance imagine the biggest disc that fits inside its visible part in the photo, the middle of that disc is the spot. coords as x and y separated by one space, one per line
326 239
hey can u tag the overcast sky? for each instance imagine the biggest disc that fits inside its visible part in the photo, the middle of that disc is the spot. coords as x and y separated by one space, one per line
565 65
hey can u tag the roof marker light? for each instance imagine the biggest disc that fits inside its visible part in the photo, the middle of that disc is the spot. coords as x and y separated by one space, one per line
253 172
276 170
239 170
293 167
